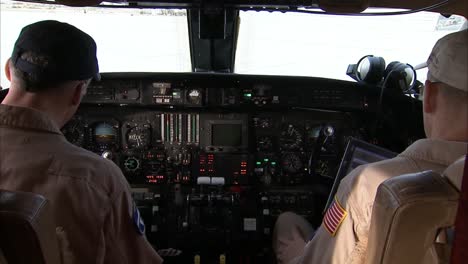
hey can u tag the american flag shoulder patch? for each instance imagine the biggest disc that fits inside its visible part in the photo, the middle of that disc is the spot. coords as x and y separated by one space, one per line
334 217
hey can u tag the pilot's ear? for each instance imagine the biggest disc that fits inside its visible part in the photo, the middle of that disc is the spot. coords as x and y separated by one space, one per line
78 92
7 70
430 97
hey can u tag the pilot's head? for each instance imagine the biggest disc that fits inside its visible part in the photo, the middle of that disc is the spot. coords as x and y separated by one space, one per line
446 89
50 68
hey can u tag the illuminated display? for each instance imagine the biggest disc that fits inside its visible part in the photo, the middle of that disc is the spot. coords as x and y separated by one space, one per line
104 133
227 135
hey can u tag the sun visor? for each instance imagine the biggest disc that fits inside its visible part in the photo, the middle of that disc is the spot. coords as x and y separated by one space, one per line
340 6
79 2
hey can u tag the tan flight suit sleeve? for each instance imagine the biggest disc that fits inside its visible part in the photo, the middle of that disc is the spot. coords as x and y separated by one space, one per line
124 244
350 240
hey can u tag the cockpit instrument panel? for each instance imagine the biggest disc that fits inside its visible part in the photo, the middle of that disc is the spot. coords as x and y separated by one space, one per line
216 158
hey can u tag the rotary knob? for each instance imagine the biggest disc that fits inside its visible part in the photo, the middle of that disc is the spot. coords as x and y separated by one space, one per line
329 131
107 155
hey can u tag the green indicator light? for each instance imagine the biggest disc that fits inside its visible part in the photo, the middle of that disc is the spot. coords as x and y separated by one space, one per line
265 160
273 163
248 95
258 163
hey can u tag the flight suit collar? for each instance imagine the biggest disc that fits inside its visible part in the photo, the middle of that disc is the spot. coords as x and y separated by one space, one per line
26 118
436 151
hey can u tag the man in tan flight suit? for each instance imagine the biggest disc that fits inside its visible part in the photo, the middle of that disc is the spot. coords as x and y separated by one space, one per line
50 68
342 237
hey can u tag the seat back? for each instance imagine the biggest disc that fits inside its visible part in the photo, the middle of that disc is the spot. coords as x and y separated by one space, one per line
459 176
409 213
2 258
27 229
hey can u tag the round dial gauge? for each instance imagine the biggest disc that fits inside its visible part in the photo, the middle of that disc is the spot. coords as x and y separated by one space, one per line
262 122
290 138
74 132
131 164
139 136
291 163
194 96
264 143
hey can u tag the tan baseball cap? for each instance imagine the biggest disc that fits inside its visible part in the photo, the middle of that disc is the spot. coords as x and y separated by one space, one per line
448 60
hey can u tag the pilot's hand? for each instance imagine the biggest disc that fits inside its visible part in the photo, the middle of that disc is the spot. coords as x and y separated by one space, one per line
290 247
66 254
169 252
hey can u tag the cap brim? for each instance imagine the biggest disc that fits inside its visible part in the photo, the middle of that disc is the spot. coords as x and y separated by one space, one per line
3 93
420 66
97 77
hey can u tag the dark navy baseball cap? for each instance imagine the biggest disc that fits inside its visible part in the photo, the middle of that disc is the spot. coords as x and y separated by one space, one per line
70 52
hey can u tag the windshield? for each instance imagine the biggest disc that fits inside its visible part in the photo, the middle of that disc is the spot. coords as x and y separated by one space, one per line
324 45
128 40
157 40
